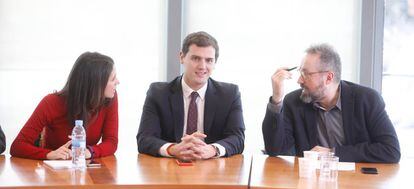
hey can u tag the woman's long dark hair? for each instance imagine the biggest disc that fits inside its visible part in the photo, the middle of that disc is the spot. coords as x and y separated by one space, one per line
85 87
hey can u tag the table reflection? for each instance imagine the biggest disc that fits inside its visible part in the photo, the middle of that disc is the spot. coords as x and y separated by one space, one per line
29 172
218 171
77 177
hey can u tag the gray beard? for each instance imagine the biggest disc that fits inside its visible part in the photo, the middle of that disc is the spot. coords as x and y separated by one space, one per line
312 97
306 98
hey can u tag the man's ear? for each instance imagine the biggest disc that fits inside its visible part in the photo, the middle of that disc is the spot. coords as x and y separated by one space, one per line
182 55
330 77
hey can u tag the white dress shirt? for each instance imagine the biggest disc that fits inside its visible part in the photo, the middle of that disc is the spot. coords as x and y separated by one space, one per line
200 101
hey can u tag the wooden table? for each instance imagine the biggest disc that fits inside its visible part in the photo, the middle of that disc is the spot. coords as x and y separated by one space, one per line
143 171
140 171
282 172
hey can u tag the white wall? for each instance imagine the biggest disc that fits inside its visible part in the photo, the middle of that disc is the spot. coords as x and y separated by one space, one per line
40 40
256 37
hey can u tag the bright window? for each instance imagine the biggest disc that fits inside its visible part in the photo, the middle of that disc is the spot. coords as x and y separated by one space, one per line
398 74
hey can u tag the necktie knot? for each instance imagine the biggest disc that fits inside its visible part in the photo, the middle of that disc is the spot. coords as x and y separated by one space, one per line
194 95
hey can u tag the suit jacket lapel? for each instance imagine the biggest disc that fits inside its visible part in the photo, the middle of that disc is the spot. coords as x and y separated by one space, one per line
310 122
347 104
177 107
210 105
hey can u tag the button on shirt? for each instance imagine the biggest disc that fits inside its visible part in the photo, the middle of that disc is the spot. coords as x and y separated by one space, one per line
200 110
330 125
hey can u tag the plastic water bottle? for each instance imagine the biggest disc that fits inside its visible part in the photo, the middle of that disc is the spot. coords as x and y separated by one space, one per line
78 145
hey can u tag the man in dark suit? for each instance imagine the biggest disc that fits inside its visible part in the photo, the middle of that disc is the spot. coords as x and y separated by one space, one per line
193 116
328 114
2 141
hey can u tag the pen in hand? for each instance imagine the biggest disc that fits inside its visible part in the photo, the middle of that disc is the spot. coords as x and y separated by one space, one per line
290 69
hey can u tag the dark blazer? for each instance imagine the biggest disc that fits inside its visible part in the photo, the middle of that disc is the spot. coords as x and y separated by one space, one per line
369 133
2 141
162 117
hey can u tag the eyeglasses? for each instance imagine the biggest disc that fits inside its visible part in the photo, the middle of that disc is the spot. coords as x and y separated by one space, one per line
307 75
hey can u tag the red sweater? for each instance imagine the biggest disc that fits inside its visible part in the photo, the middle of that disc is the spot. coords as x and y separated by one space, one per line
51 114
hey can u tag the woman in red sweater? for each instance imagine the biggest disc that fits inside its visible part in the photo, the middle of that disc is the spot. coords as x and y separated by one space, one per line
89 95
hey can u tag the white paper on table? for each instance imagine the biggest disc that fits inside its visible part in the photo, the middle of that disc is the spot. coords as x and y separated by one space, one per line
346 166
58 164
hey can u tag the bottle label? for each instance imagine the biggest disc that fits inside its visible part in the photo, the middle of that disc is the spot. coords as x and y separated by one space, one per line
78 143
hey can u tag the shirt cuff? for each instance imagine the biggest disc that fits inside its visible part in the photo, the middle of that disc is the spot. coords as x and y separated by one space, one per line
222 150
163 150
274 108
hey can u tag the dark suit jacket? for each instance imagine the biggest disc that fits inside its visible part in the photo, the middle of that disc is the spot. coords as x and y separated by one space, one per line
2 141
162 117
369 133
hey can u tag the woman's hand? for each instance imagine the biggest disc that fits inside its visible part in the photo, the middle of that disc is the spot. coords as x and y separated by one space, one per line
62 152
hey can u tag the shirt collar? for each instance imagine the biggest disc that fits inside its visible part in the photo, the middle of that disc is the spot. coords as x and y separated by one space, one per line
187 90
338 101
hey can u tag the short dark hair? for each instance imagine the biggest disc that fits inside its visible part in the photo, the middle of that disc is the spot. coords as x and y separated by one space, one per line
329 58
85 88
201 39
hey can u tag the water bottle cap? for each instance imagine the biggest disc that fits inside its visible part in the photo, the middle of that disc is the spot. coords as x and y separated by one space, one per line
79 122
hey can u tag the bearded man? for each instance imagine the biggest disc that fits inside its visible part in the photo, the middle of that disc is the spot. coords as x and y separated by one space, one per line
328 114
